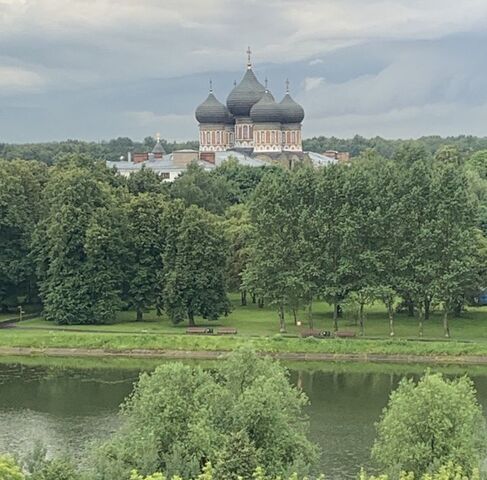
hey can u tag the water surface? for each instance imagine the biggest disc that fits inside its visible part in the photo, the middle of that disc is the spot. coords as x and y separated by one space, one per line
68 407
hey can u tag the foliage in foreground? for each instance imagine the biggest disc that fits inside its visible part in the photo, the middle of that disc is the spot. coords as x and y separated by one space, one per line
431 423
445 472
179 418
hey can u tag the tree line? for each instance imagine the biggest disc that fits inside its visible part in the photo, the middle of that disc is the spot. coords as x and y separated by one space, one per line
409 232
117 148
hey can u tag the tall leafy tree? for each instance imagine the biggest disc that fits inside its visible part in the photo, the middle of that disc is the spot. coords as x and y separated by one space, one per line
78 247
21 185
195 257
145 244
273 268
199 187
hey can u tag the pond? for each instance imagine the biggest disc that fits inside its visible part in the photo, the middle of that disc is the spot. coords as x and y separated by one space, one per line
68 404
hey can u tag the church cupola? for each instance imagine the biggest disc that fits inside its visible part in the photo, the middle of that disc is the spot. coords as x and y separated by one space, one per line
292 115
216 124
247 93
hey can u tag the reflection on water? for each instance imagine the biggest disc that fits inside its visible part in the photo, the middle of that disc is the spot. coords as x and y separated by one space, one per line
68 408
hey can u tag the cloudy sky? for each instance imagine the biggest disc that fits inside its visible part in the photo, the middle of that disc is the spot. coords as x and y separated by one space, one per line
97 69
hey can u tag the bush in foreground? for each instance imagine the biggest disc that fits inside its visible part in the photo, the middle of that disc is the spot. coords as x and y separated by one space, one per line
431 423
180 418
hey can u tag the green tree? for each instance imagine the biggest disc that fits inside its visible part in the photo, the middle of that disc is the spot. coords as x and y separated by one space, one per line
453 234
195 259
144 180
238 231
199 187
78 247
272 270
9 470
430 423
21 185
145 245
173 422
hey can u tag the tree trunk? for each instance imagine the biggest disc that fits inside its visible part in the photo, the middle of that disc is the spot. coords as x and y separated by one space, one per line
139 314
427 305
310 315
361 319
295 317
254 299
335 315
410 305
191 319
243 298
421 318
446 327
282 324
390 311
260 303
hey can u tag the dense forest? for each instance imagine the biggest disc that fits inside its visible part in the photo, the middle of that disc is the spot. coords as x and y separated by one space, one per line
117 148
407 231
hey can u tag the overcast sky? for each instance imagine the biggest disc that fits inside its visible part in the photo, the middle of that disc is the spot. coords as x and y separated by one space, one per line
97 69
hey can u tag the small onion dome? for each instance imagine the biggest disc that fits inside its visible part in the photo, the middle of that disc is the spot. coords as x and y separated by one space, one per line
247 93
213 111
291 112
158 148
266 110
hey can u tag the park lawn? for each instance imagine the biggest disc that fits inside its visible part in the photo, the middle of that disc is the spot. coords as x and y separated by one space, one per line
259 328
252 321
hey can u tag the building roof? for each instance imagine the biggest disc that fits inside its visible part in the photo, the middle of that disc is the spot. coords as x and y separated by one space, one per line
213 111
247 93
158 148
291 111
266 110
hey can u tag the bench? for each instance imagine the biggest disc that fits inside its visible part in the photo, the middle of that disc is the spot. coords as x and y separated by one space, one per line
226 331
315 333
199 331
344 334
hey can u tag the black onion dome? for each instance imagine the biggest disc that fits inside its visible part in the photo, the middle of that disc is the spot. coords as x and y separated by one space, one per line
266 110
213 111
291 111
247 93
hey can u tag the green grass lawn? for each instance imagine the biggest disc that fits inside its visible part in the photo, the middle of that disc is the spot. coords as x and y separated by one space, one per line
257 322
259 327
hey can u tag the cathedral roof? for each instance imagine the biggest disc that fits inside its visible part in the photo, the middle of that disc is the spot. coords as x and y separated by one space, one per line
213 111
291 111
266 110
158 148
247 93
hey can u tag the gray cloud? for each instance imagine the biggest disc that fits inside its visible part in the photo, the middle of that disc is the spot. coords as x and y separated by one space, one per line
99 68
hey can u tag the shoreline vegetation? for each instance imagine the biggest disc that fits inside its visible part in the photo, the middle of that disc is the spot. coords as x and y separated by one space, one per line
157 338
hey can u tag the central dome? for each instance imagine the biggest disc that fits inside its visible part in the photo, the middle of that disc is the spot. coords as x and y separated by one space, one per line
213 111
266 110
247 93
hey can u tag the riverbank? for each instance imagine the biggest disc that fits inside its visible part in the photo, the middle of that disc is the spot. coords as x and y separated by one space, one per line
285 349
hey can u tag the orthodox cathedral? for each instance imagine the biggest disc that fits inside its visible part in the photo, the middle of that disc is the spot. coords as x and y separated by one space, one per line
252 128
251 122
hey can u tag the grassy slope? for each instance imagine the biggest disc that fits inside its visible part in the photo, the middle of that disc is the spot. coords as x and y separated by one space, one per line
259 327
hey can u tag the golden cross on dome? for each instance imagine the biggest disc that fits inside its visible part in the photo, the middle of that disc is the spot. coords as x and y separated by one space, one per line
249 63
158 137
211 85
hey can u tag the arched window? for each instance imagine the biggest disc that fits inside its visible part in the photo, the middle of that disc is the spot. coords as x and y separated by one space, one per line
245 132
273 137
293 137
208 138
